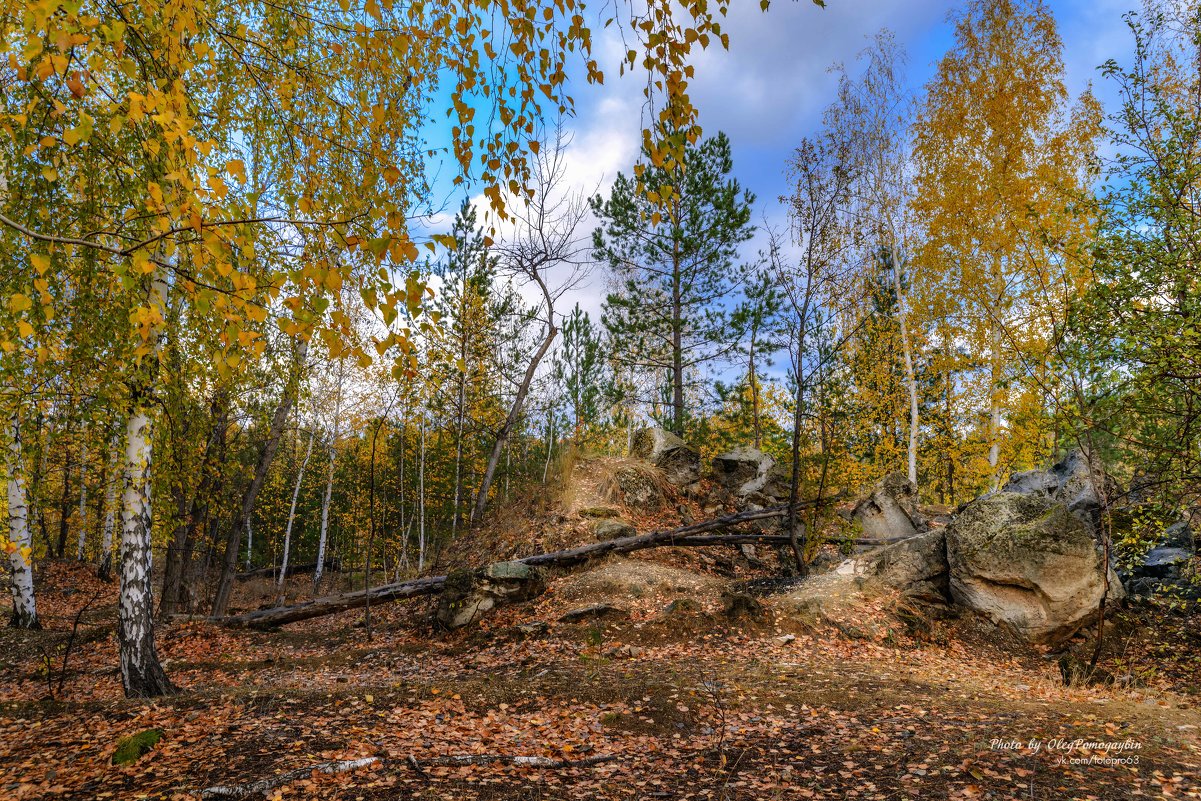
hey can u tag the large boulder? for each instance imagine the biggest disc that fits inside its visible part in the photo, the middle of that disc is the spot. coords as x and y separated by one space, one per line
890 511
468 594
743 470
679 461
1027 561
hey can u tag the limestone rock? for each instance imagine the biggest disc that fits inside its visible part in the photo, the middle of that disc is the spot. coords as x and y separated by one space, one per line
1072 482
743 470
468 594
890 511
637 487
922 559
679 461
613 529
594 612
1024 560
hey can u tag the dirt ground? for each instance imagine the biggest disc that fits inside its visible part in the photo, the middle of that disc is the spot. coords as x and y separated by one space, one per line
689 705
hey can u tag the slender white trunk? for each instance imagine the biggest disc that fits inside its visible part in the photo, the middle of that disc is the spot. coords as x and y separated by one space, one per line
283 567
994 449
910 375
329 484
83 504
329 491
421 502
249 542
106 540
454 521
550 443
20 559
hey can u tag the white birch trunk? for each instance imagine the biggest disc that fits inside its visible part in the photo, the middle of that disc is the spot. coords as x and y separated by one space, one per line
910 376
249 542
20 560
83 504
421 502
283 567
106 539
329 484
141 673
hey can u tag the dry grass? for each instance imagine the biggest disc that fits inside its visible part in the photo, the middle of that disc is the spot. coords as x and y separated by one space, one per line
612 474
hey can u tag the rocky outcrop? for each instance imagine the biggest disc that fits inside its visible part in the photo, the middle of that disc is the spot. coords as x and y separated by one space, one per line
890 511
468 594
1027 560
679 461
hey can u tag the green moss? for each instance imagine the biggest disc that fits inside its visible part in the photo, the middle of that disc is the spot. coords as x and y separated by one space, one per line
132 748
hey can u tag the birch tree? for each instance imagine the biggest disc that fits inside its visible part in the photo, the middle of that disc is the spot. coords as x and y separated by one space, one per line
19 544
142 674
873 117
1001 165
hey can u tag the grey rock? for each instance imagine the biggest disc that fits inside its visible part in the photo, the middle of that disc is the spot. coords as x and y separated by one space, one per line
1026 561
1179 535
468 594
594 612
890 511
613 529
743 470
679 461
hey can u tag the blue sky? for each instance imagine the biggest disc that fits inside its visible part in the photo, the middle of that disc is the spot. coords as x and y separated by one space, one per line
770 88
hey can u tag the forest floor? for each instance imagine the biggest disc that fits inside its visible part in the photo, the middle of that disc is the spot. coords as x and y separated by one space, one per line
691 706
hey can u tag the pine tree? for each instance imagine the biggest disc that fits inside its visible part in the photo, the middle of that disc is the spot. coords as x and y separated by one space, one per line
580 369
674 265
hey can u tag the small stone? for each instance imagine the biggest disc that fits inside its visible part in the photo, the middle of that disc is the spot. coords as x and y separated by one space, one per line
593 612
786 639
601 512
535 628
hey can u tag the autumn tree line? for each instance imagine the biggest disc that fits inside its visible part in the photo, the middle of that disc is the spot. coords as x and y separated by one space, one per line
228 347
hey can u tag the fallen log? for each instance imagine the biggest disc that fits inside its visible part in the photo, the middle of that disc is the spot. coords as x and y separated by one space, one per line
264 786
694 535
519 761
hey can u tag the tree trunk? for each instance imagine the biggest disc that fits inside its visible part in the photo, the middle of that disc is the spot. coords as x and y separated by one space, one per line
454 521
234 543
329 483
308 451
105 570
421 501
910 375
754 379
25 614
481 498
83 504
677 344
64 507
141 673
